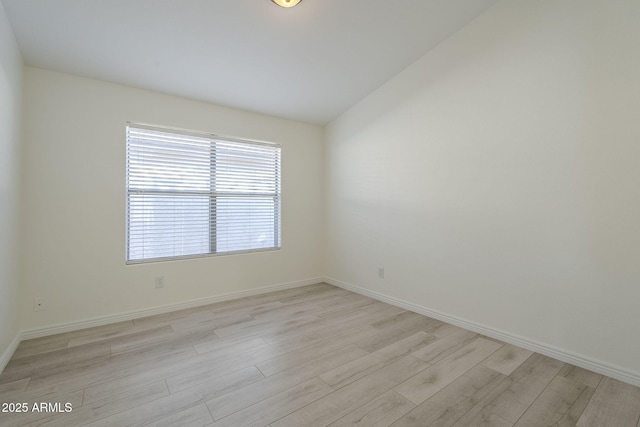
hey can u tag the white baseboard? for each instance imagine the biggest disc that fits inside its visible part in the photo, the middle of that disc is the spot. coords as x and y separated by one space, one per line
137 314
8 353
582 361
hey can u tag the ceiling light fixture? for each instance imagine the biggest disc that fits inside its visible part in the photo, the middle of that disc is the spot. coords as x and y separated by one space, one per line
286 3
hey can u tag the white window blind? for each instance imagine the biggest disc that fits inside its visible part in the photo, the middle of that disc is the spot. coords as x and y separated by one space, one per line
191 194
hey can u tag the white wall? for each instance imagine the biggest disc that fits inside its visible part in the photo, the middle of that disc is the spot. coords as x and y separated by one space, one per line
74 202
497 179
10 99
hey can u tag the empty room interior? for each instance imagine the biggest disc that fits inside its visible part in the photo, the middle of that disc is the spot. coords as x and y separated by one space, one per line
320 212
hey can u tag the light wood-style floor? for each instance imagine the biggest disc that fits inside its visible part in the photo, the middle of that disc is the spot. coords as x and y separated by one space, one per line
311 356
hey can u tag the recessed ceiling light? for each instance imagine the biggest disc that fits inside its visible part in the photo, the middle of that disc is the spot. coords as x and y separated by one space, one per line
286 3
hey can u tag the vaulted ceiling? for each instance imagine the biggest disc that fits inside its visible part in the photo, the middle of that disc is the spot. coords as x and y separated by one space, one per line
308 63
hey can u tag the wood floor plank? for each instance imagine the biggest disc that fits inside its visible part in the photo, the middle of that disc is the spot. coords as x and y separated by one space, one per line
174 403
406 346
507 359
394 328
326 327
265 326
314 297
166 335
349 372
166 318
39 346
276 406
443 329
433 379
614 403
287 296
401 320
289 311
212 322
96 331
111 405
560 404
140 359
364 315
302 355
342 302
445 346
453 401
483 418
103 371
207 366
77 356
242 398
513 396
379 412
185 380
196 416
386 337
104 335
234 345
347 305
580 375
334 406
10 389
340 337
334 327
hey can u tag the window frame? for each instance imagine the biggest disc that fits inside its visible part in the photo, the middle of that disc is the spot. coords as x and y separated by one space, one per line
277 228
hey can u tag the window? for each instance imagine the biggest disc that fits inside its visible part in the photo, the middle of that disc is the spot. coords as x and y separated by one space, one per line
192 194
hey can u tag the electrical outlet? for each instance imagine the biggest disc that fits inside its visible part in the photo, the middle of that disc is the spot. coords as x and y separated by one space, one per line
159 282
38 305
381 272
